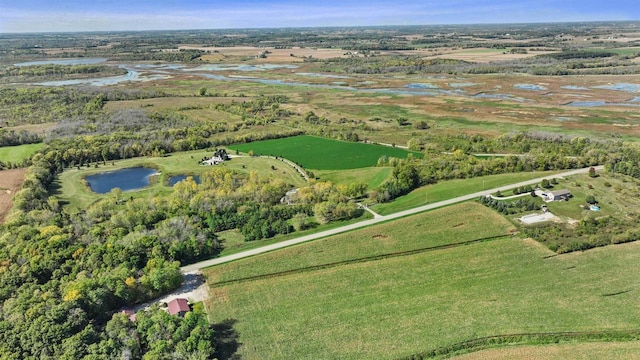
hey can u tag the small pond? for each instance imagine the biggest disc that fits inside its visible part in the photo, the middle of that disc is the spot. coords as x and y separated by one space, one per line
125 179
620 87
483 95
422 86
177 178
588 103
461 84
574 87
331 76
532 87
600 103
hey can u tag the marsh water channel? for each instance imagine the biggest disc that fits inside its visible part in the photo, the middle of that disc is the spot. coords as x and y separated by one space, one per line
151 72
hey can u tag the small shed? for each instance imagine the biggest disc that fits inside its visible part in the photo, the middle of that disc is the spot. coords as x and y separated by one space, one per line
130 313
558 195
178 307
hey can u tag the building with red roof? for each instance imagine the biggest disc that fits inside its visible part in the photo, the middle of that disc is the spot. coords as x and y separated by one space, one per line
178 307
130 313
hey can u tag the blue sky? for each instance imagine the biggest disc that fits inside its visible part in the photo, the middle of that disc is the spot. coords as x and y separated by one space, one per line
104 15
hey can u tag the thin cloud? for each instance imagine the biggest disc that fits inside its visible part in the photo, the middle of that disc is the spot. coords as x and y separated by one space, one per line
201 15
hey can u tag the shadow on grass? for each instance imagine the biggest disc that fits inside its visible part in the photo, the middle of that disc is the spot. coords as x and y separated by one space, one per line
226 344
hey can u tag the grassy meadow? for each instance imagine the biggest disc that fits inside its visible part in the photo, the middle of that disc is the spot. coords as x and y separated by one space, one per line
18 153
234 242
372 176
398 306
314 152
397 236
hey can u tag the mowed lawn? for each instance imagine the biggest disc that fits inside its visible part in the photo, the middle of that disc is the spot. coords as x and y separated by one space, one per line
18 153
399 306
314 152
372 176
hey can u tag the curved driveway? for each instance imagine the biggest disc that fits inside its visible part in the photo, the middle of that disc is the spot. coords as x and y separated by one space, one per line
224 259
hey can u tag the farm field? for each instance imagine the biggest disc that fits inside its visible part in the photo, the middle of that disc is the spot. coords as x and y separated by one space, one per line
18 153
325 154
397 306
74 191
10 182
452 188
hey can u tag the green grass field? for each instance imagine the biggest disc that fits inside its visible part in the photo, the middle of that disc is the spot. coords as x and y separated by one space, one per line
372 176
73 190
452 188
402 305
399 235
18 153
625 51
233 241
324 154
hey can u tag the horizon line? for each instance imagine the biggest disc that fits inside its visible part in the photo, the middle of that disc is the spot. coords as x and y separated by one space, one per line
319 27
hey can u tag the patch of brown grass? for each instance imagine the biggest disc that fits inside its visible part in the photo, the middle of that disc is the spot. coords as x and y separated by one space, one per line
484 55
34 128
10 182
623 350
276 55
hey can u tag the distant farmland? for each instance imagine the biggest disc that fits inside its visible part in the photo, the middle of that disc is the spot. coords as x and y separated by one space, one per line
324 154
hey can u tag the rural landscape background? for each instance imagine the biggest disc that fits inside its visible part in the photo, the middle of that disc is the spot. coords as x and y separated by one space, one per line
318 186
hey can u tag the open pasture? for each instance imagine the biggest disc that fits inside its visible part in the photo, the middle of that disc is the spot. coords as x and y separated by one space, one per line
373 176
401 305
442 227
325 154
